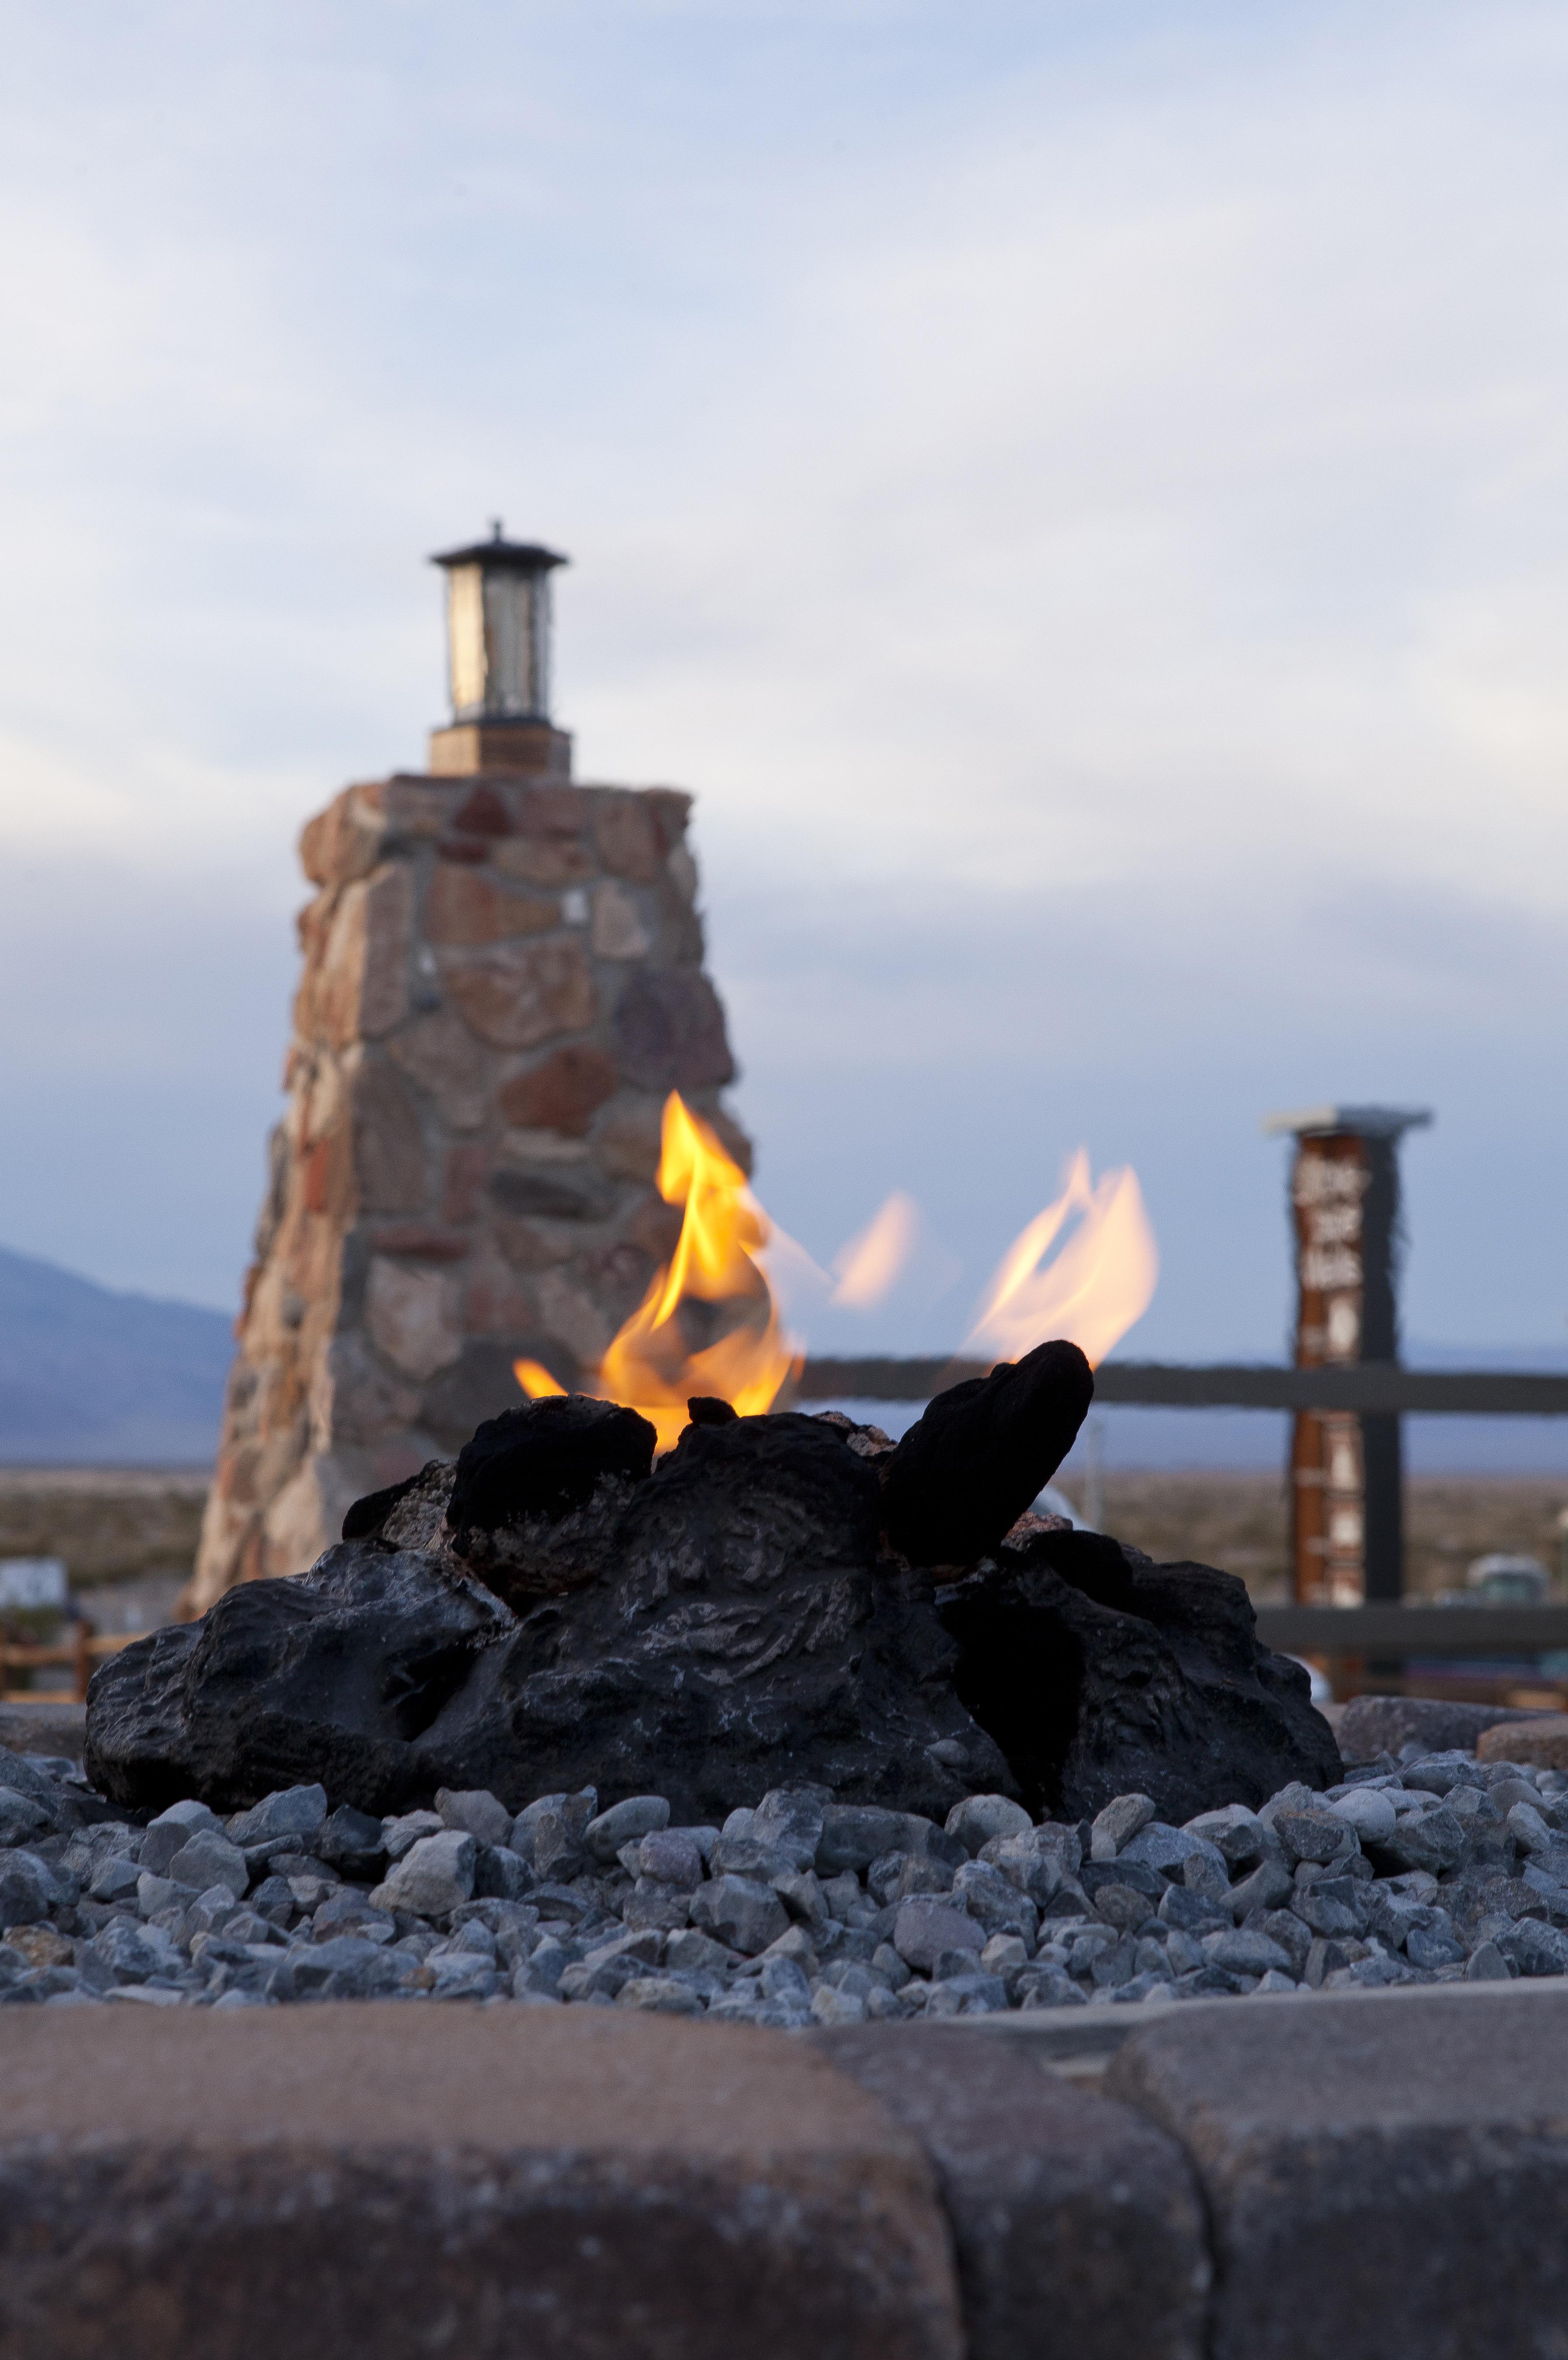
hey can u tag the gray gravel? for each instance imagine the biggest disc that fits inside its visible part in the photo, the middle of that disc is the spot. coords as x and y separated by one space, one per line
1433 1868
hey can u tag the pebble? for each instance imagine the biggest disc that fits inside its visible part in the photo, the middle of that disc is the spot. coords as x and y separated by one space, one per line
739 1912
980 1818
925 1928
20 1817
640 1815
211 1859
434 1876
789 1821
799 1911
662 1994
292 1811
172 1831
1369 1813
476 1812
1118 1824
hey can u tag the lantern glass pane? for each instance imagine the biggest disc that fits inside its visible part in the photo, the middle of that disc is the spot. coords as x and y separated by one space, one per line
465 638
508 687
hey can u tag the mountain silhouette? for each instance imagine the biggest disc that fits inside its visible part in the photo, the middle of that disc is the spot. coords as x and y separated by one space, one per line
88 1376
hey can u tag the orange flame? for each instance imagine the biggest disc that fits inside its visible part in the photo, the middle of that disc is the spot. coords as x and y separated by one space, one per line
655 1364
1100 1281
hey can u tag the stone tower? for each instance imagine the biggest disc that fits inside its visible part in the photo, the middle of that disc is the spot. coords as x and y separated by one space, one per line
503 979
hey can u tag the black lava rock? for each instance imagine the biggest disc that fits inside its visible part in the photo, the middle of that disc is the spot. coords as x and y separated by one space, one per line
330 1677
965 1472
1100 1674
544 1458
366 1519
729 1631
730 1621
737 1635
706 1409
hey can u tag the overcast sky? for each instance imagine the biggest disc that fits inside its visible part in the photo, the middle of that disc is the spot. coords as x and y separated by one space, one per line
1080 493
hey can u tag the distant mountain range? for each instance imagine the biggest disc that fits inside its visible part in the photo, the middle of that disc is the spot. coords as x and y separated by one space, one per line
91 1377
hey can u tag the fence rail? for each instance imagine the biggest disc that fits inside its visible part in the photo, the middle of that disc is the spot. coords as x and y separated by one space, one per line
1414 1632
1369 1387
79 1654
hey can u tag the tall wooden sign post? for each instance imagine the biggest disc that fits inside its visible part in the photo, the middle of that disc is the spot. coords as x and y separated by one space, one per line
1346 1471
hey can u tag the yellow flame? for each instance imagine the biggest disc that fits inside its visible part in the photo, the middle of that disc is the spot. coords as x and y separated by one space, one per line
1099 1282
651 1366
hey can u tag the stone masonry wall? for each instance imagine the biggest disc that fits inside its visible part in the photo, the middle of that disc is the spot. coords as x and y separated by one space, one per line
503 979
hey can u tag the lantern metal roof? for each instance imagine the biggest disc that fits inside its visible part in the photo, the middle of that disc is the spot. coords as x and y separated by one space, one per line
1365 1121
500 555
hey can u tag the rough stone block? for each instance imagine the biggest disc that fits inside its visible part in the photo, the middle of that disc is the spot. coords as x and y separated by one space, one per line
343 842
669 1031
465 910
855 1834
388 1142
1383 2171
1078 2226
441 1054
562 1094
1544 1742
543 860
1371 1725
172 1831
618 932
518 995
360 985
411 1316
22 1818
627 837
607 2185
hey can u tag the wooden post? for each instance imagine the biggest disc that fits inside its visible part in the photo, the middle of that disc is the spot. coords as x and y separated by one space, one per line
1346 1468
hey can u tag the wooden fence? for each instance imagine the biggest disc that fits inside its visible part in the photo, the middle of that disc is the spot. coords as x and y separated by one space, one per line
79 1652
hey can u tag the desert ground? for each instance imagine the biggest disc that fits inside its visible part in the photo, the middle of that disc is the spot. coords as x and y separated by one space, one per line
115 1526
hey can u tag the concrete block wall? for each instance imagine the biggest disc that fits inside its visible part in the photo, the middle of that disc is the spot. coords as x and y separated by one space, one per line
1293 2178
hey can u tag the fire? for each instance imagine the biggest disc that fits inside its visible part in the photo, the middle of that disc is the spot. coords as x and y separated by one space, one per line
710 1320
870 1265
714 1280
1099 1282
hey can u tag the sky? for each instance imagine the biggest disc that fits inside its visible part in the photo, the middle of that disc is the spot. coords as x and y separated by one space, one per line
1080 493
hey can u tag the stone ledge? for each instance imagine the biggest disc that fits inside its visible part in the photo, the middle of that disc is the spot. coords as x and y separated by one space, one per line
1083 2042
1384 2171
358 2178
1350 2174
1063 2206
